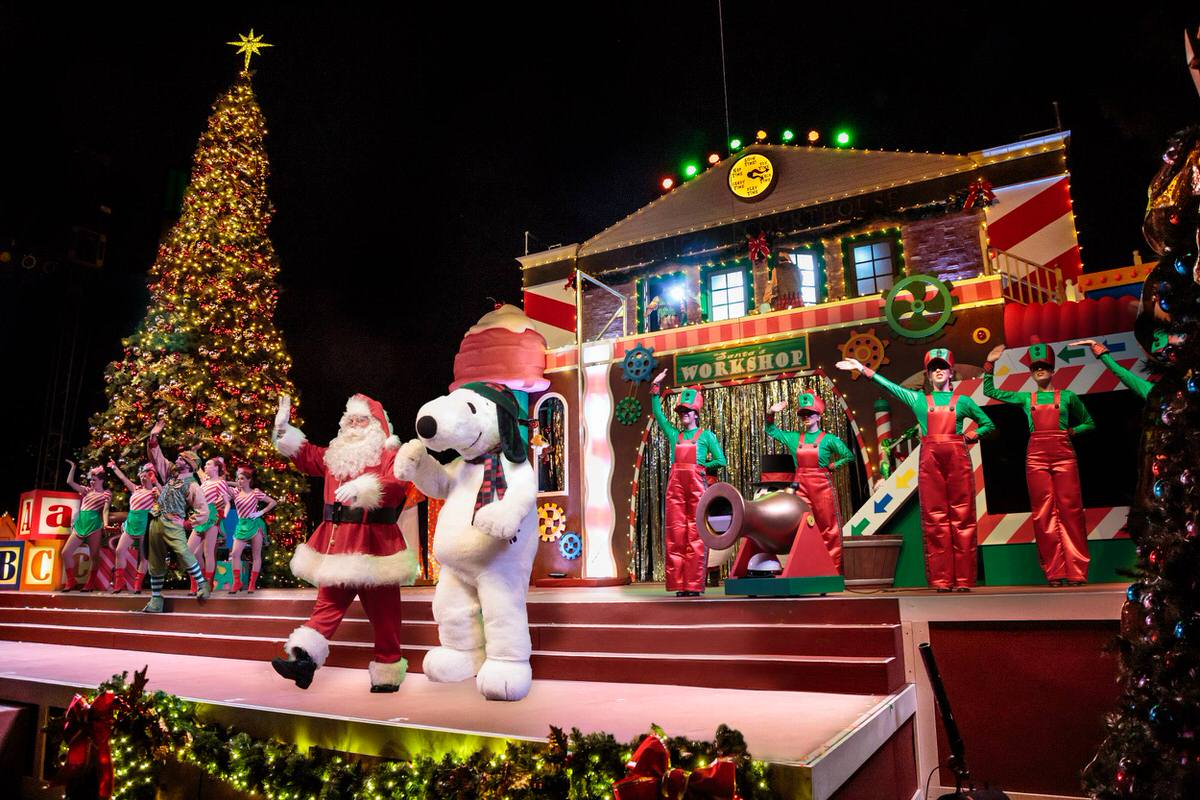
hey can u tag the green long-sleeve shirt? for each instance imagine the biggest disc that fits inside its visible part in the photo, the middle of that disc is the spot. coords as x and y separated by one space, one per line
1136 383
1070 406
965 407
831 453
708 449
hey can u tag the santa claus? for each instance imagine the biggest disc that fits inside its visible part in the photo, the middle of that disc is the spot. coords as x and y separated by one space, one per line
357 550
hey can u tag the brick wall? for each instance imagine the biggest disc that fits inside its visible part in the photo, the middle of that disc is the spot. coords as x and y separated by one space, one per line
599 305
945 246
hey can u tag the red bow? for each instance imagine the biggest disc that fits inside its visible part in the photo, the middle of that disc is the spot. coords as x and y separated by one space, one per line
981 187
759 249
87 729
651 777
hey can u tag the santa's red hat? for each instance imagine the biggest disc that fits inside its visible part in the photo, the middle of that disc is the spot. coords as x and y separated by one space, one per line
361 404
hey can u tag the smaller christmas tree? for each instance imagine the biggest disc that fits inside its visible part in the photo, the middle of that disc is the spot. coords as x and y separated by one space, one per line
207 355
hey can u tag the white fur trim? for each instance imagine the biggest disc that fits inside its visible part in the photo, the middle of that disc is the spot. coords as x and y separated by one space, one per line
368 489
313 643
388 674
354 569
356 405
289 443
392 442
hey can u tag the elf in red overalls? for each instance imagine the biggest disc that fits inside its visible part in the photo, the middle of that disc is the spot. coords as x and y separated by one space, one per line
816 455
694 450
1051 470
945 479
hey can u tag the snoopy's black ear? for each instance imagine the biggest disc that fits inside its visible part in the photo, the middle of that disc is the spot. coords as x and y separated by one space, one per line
510 436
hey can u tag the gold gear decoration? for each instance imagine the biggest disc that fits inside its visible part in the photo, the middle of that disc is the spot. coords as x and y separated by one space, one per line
552 521
867 348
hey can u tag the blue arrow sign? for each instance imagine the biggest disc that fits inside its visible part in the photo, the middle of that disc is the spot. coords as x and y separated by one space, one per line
883 503
1115 347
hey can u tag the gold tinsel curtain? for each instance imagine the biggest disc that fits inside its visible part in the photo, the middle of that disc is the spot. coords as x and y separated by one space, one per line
737 415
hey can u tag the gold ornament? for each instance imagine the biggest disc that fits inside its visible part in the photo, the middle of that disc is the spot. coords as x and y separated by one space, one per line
552 521
866 348
249 45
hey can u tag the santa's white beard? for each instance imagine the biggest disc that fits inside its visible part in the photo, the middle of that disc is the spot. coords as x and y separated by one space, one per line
351 452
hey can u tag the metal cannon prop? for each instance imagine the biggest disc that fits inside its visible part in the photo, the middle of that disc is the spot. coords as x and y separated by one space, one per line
779 523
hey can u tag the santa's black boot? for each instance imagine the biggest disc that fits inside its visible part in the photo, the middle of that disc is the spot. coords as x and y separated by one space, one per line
299 668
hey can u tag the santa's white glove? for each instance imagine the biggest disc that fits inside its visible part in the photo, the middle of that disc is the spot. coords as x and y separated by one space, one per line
408 459
283 415
346 494
497 520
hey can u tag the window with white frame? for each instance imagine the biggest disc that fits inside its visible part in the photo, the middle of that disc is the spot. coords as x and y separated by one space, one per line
874 265
812 278
727 295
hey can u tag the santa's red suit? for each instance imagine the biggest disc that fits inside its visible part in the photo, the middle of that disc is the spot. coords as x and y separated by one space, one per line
358 549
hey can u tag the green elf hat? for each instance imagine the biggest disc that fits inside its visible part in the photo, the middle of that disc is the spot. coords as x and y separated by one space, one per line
690 399
1160 341
809 403
1039 353
940 354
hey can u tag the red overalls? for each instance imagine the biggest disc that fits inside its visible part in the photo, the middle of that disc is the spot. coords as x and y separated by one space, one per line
816 488
946 484
686 555
1055 499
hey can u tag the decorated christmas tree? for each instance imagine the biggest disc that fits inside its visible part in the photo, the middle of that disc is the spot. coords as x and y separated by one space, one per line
1153 745
207 355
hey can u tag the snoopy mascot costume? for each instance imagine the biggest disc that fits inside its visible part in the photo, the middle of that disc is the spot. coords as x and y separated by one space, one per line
486 536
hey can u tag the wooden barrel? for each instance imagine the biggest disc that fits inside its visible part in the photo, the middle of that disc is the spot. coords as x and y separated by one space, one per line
871 560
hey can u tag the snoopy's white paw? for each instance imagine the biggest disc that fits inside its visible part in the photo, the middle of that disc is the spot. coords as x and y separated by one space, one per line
408 457
497 520
504 680
446 665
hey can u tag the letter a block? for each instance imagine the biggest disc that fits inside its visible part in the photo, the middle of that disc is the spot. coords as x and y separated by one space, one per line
47 515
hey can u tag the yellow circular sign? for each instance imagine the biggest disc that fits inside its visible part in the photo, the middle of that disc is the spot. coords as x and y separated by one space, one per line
751 177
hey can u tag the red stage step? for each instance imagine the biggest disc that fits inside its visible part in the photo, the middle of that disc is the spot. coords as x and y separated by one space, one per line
823 645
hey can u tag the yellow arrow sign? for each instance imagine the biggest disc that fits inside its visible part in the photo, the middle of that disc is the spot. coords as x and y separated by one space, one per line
1002 370
904 478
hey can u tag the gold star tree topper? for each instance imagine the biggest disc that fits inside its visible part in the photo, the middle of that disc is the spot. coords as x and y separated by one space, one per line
249 45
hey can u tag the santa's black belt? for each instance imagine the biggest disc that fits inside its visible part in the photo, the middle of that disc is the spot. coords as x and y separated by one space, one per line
380 516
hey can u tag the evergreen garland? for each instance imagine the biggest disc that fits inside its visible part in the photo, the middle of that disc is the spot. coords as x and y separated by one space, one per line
151 730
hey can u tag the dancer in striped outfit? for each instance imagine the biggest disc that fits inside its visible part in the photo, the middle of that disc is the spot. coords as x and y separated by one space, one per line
141 504
179 492
250 527
203 541
93 515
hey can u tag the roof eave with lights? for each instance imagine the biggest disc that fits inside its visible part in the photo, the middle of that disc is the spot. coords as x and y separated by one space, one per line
651 234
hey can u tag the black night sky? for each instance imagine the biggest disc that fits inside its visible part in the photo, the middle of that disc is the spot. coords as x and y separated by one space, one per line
410 150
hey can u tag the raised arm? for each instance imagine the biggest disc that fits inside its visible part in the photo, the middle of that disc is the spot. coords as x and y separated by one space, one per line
71 479
154 451
1135 383
121 476
989 383
669 430
789 439
414 464
907 396
291 442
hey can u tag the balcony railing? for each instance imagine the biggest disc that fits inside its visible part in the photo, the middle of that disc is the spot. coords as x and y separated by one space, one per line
1024 281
